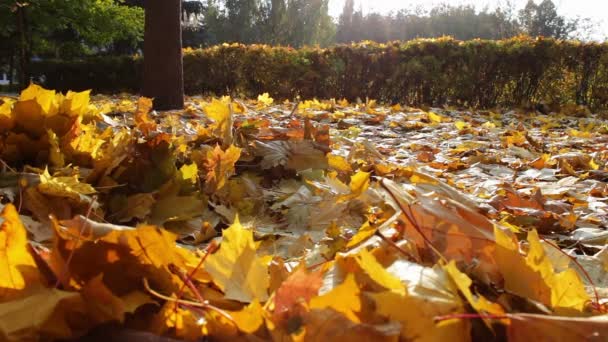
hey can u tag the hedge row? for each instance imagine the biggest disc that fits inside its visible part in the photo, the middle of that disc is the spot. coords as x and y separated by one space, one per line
482 73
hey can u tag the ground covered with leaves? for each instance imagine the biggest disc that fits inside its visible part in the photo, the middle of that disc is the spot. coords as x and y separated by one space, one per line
316 220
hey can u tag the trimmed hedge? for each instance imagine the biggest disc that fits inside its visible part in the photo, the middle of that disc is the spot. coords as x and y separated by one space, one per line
482 73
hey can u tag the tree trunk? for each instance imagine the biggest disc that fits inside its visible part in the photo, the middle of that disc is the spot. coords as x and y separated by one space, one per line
24 47
163 69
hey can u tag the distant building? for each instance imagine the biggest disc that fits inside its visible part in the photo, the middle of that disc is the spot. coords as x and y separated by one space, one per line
4 79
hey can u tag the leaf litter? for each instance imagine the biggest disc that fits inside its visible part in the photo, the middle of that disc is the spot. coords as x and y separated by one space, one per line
316 220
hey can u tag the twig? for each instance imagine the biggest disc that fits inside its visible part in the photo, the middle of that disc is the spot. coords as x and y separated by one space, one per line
204 305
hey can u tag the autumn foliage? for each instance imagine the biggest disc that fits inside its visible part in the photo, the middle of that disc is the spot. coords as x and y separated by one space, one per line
321 220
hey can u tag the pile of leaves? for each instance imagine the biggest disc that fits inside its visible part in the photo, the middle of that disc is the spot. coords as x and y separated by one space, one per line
314 220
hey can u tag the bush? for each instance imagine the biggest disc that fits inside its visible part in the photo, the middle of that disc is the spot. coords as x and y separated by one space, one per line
482 73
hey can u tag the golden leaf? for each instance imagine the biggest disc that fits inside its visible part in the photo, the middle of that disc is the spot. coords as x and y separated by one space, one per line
76 103
236 268
220 166
55 155
220 112
265 99
142 120
377 272
359 182
178 321
344 298
534 277
18 270
417 317
43 313
365 232
63 186
190 172
338 163
463 282
250 319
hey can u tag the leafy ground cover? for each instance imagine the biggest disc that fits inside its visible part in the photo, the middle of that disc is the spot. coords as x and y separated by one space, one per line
317 220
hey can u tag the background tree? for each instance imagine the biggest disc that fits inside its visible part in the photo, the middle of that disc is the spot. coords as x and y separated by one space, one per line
163 67
345 30
65 29
543 20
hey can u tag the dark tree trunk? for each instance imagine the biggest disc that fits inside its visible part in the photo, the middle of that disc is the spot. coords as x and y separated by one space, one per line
163 70
24 47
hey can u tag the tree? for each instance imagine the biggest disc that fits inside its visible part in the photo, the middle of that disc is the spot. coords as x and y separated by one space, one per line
277 22
309 23
345 23
242 19
543 20
163 68
65 28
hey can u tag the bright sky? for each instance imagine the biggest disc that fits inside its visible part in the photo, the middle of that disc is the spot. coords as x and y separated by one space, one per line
597 10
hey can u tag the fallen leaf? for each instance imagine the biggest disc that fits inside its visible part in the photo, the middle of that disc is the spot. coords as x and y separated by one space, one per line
236 268
18 270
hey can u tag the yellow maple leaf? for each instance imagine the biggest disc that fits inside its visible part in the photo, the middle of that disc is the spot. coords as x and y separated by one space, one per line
463 282
534 277
417 318
189 172
180 322
359 182
18 270
46 99
250 319
220 112
83 141
460 125
365 232
236 268
435 118
76 103
265 99
220 166
338 163
344 298
7 122
63 186
55 155
377 272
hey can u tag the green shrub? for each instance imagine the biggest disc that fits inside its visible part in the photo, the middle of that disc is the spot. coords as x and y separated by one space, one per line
480 73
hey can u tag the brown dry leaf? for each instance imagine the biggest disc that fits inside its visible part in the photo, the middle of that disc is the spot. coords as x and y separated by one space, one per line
295 155
296 290
125 257
175 208
529 327
449 221
330 325
139 206
142 120
45 313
